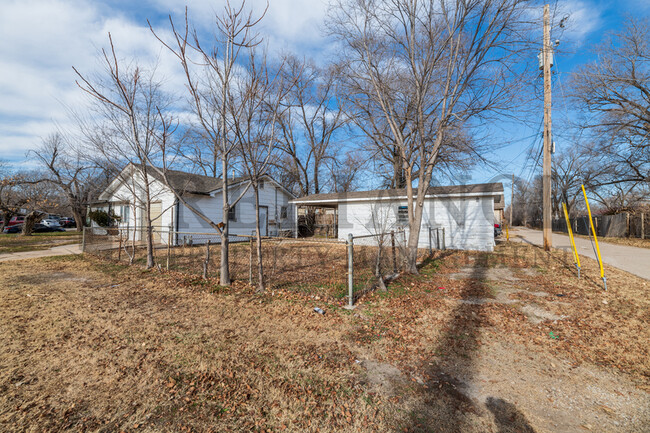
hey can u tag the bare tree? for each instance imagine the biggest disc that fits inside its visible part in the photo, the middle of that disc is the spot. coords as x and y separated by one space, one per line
73 173
428 68
212 97
571 168
254 124
615 92
344 172
309 123
130 105
24 192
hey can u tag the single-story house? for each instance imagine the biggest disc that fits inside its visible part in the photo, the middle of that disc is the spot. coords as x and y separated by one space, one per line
466 212
124 197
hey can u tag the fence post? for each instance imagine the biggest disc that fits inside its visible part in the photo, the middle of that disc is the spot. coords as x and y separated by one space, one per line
207 260
444 243
250 261
642 225
430 241
392 245
627 224
169 246
83 240
350 272
119 250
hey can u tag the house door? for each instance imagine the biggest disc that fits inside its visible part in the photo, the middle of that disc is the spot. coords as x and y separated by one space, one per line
156 221
264 220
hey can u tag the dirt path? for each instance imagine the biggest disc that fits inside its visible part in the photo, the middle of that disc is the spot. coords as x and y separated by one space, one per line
62 250
631 259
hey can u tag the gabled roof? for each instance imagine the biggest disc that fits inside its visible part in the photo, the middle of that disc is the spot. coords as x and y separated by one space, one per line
193 183
481 189
185 183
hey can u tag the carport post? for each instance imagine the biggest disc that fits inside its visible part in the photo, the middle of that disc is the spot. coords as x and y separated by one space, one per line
350 244
392 246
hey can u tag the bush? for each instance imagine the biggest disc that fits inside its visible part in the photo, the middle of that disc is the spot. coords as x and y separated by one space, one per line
102 218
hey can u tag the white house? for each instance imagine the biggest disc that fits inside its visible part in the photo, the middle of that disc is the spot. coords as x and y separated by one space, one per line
466 212
125 197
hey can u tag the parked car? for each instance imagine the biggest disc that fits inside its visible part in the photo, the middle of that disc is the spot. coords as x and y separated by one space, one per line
38 228
18 219
16 228
67 222
497 230
51 222
42 228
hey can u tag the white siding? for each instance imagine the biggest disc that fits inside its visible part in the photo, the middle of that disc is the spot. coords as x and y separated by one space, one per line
468 222
132 195
212 207
271 196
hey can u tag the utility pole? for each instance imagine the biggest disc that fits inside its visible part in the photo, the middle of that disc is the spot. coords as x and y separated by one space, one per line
546 172
512 198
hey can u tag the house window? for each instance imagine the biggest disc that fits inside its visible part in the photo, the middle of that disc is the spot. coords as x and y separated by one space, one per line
232 213
402 215
260 184
283 212
124 213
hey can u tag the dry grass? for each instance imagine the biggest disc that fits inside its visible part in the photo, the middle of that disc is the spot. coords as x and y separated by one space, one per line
630 242
14 243
87 345
99 347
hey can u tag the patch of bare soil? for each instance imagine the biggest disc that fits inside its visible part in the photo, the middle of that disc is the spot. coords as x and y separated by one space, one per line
499 343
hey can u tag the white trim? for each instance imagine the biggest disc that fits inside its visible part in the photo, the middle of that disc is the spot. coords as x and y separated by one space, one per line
400 197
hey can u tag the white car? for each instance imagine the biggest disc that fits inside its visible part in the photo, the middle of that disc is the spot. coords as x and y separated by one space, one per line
51 222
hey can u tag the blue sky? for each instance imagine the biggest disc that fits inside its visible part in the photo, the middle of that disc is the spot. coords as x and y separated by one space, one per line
40 41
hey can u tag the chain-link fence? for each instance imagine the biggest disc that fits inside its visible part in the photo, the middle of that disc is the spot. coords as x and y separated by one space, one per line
311 266
320 267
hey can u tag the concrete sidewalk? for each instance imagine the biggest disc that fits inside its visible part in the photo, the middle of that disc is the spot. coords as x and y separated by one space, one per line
631 259
62 250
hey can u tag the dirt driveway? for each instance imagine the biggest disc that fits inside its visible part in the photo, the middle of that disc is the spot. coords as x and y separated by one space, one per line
631 259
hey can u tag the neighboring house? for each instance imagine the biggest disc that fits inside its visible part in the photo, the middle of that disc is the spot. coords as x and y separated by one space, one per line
499 207
466 212
124 197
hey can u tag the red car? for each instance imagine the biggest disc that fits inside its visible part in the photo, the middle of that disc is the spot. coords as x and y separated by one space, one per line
16 220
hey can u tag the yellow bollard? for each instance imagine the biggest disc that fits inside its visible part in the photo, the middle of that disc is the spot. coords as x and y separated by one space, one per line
576 257
593 230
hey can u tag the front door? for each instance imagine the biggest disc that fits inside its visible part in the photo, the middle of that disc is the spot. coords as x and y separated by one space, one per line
156 221
264 220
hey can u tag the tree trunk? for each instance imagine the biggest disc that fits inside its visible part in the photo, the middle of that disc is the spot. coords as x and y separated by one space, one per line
413 240
30 221
260 267
147 219
224 274
79 218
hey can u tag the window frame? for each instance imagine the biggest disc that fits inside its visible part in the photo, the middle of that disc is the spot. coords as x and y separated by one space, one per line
232 213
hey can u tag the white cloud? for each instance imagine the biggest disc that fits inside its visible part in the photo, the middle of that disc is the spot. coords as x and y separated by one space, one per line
40 41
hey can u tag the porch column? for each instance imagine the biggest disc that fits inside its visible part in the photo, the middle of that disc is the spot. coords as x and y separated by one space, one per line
295 221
